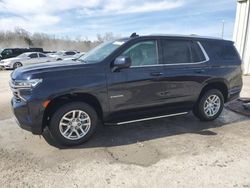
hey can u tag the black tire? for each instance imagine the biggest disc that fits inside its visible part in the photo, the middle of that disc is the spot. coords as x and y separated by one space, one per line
54 125
59 59
199 109
16 65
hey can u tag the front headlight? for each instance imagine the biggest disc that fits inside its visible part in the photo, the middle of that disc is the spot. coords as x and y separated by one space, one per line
6 62
25 84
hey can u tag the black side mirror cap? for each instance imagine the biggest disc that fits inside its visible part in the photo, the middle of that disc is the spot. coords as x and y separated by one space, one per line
121 62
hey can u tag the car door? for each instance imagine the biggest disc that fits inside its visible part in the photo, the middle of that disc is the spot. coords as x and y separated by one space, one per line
185 70
140 86
32 58
43 58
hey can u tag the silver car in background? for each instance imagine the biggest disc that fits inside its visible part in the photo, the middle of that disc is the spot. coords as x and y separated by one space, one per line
63 55
25 59
76 56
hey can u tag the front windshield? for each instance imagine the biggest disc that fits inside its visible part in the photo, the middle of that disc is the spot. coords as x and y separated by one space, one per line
100 52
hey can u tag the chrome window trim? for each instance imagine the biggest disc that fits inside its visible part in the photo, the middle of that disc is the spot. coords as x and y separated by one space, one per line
178 64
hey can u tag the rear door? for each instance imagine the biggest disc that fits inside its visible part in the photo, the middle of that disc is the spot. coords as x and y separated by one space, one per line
43 58
142 85
185 70
33 58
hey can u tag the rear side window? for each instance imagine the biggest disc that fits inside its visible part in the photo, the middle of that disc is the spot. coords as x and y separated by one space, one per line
33 55
181 52
197 54
42 55
221 50
7 52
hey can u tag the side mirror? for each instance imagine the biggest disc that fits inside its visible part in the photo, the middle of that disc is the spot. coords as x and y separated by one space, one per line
121 62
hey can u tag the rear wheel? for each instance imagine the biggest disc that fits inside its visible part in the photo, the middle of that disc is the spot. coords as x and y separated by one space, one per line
17 65
209 106
73 123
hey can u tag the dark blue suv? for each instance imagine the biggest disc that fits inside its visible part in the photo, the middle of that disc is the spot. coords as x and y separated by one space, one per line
127 80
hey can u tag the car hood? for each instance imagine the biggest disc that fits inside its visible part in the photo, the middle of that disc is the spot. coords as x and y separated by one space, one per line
52 67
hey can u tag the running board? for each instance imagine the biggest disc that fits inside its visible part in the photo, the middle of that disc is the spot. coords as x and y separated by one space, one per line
150 118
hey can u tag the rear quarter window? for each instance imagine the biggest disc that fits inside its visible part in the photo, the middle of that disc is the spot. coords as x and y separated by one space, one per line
221 50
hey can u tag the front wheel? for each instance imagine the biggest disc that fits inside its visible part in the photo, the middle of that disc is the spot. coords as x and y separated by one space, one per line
73 123
209 106
17 65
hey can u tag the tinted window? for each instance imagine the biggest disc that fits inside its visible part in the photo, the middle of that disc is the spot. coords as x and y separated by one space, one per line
6 52
197 54
176 52
143 53
221 50
34 55
70 53
42 55
181 52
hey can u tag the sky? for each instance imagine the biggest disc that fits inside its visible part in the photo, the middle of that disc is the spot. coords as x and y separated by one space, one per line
87 18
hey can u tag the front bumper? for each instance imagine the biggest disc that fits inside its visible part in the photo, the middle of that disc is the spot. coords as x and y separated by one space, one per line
5 66
28 116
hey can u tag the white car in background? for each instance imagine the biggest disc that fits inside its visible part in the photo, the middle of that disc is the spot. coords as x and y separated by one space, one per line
76 56
25 59
63 55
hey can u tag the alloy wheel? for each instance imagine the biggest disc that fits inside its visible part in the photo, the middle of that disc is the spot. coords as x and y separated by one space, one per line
75 124
212 105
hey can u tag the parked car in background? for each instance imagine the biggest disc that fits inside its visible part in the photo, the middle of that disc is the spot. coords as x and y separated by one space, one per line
25 59
63 54
127 80
76 56
49 52
14 52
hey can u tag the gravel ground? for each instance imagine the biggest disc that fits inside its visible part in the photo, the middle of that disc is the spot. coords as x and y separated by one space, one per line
171 152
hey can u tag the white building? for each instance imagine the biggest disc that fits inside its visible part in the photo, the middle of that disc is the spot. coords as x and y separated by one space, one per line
242 33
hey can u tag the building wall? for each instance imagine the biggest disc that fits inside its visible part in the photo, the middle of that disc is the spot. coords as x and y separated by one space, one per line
242 33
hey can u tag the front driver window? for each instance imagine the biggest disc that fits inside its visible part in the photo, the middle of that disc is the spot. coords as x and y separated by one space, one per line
143 53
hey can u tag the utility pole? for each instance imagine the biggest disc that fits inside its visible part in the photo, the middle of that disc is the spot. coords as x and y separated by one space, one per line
223 28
